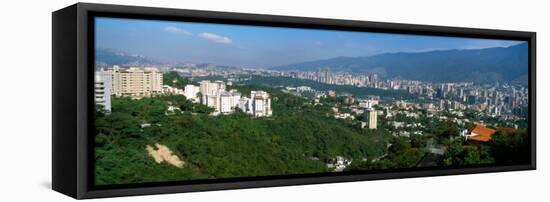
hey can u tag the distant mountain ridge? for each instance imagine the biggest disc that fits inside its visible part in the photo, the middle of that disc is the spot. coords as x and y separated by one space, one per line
479 65
109 57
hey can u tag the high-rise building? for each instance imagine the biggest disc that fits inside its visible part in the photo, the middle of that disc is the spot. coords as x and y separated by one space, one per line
215 96
244 104
226 102
209 88
370 116
134 81
102 90
235 97
211 101
261 103
374 78
191 92
219 85
472 99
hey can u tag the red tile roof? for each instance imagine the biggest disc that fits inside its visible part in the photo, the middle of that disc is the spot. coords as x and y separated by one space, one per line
483 134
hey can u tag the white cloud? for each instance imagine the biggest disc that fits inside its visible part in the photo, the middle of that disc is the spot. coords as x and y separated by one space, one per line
216 38
176 30
318 43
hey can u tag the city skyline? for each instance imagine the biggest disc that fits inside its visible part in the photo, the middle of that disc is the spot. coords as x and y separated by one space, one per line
255 46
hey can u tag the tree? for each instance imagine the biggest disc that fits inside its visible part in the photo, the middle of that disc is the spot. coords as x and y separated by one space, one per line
445 131
458 154
477 156
175 80
398 146
454 155
511 148
418 141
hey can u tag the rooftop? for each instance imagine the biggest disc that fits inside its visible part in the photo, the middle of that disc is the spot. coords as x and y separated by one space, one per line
483 133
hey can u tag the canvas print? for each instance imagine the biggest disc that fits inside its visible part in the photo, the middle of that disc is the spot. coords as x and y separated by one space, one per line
187 101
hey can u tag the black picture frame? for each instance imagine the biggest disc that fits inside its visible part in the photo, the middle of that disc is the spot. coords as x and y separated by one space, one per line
72 100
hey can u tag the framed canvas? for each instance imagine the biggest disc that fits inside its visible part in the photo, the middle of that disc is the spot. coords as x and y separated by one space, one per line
157 100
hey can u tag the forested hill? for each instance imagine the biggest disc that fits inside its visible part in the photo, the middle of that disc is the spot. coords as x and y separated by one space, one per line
479 65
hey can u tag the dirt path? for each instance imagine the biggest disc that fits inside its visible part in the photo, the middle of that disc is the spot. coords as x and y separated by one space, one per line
163 153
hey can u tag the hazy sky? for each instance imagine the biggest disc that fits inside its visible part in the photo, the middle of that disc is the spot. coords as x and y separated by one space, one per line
255 46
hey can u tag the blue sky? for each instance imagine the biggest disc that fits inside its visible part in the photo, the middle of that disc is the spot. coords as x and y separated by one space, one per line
255 46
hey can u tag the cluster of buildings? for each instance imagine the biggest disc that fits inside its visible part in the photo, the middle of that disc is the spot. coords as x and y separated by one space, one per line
501 100
325 76
139 82
497 100
133 82
363 108
202 70
223 101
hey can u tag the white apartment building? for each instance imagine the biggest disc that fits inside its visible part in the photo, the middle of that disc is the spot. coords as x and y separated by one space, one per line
211 101
368 103
235 97
102 90
214 95
191 92
226 102
261 103
134 81
222 101
244 104
172 90
208 88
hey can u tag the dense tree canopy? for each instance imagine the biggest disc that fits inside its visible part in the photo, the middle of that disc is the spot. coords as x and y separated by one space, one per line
297 139
173 79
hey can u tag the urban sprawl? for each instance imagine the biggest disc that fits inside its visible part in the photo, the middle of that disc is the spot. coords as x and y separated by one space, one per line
502 101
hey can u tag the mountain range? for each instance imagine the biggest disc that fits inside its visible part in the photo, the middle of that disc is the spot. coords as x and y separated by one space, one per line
477 65
109 57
